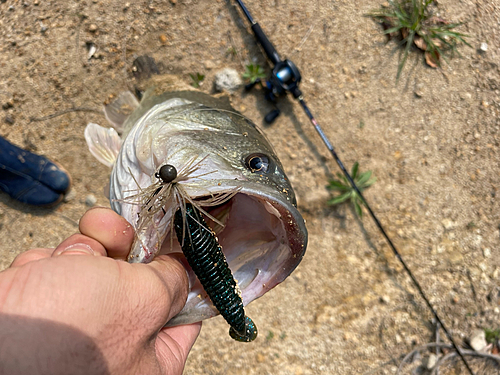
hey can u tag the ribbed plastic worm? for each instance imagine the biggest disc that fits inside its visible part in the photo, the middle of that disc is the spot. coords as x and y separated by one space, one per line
204 254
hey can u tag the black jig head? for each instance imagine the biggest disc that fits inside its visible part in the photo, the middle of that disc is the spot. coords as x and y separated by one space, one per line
167 173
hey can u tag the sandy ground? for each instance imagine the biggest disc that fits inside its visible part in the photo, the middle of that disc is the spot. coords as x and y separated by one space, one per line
432 142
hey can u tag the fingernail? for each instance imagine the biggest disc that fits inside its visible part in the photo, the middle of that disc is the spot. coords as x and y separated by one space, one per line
76 249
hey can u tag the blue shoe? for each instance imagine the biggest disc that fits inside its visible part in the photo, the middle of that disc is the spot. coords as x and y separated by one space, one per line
26 190
31 178
37 167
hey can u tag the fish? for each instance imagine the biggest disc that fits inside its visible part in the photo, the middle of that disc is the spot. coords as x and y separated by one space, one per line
224 167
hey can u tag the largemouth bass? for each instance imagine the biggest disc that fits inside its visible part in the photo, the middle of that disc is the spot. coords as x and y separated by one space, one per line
224 167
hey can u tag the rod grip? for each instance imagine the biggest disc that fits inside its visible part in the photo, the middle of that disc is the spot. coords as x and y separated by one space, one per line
268 47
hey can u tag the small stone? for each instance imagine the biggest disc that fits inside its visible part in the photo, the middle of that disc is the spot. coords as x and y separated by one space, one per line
9 120
90 200
93 28
8 104
69 196
173 2
431 361
209 64
385 299
36 2
43 28
486 252
345 70
484 47
448 224
163 38
478 340
227 79
419 92
126 6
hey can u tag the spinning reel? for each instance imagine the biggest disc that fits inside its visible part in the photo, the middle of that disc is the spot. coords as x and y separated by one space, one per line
285 76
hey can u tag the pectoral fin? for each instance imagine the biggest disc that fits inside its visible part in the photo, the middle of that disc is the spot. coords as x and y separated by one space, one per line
119 109
104 143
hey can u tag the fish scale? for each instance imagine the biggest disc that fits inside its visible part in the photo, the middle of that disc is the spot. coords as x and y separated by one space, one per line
204 255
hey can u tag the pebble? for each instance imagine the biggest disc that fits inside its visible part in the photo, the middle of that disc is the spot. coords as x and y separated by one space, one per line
163 38
209 64
9 120
385 299
69 196
419 90
478 340
93 28
90 200
484 47
8 104
486 252
227 79
448 224
431 361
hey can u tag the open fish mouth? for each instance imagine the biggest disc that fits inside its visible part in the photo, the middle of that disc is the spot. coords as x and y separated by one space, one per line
262 241
225 170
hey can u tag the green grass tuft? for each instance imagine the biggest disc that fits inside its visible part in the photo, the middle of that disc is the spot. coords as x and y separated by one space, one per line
363 181
254 72
491 335
413 22
197 79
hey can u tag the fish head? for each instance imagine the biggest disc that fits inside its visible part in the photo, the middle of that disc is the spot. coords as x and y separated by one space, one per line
225 165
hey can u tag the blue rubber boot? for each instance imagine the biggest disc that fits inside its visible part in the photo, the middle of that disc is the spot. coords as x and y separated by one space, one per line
30 178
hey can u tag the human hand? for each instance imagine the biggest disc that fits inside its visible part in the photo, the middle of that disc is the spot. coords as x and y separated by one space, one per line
81 309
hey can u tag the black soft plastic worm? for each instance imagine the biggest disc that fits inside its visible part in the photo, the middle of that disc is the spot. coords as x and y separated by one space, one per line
205 256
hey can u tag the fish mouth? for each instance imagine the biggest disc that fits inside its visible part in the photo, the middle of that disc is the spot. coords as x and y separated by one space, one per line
263 240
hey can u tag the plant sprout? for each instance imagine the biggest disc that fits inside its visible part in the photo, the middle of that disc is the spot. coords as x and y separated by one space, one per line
413 22
363 181
254 72
197 79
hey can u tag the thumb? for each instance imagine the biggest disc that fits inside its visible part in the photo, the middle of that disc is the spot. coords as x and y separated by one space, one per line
172 284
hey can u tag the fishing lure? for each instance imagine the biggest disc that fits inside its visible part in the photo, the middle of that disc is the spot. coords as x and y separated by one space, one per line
204 255
198 242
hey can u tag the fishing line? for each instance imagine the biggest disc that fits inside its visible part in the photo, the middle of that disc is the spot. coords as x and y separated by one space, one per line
285 77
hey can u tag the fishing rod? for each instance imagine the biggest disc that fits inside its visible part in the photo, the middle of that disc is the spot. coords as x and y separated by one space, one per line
285 77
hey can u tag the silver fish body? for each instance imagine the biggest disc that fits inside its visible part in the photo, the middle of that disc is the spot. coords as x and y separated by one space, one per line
222 154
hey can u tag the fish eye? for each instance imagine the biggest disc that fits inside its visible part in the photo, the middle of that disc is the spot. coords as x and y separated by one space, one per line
167 173
257 163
